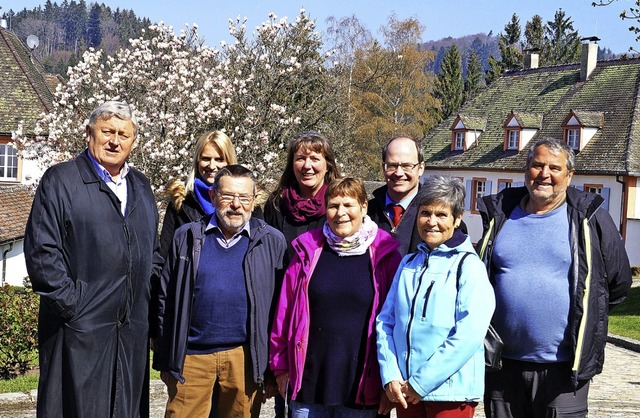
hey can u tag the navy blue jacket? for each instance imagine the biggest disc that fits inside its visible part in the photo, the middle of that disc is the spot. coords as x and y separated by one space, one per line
92 267
173 296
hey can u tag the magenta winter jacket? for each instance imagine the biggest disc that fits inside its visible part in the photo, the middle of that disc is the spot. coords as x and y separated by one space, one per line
290 331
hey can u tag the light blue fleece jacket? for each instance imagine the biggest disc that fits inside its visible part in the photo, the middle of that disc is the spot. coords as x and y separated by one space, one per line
431 334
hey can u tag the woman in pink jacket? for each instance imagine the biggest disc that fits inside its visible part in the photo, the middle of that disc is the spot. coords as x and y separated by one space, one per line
323 344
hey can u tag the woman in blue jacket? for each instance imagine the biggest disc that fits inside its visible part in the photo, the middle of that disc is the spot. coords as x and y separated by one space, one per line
432 325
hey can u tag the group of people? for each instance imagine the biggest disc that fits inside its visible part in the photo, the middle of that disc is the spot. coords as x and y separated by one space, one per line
338 305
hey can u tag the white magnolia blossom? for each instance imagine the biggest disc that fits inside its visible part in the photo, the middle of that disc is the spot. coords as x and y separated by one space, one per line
261 92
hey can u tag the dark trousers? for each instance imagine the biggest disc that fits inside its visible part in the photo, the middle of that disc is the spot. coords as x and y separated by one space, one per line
534 390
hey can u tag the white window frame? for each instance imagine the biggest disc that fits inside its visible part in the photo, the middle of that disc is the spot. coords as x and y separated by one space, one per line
459 145
8 162
573 138
479 191
513 138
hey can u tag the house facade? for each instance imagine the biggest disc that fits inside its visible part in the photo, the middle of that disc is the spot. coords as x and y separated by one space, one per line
593 106
25 93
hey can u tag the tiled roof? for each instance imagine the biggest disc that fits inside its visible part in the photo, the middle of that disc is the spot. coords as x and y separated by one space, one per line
529 120
553 92
15 205
591 119
24 92
473 123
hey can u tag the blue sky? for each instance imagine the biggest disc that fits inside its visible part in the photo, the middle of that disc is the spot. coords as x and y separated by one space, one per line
441 18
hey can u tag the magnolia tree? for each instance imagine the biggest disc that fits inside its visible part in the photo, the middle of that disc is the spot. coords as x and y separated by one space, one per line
260 91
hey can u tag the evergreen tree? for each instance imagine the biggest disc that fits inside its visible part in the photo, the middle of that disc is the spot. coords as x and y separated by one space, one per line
475 79
509 45
450 89
494 71
534 33
94 32
562 42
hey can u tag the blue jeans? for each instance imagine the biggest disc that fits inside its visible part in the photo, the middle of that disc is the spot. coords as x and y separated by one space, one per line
309 410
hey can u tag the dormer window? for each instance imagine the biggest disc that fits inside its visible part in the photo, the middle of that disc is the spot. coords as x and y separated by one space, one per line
519 128
514 138
465 131
580 126
459 141
573 138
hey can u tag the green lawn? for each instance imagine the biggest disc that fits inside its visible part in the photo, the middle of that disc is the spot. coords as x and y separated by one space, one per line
624 319
29 383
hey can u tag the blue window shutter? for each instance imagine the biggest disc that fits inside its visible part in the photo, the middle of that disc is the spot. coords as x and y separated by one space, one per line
467 198
518 184
581 188
605 194
487 188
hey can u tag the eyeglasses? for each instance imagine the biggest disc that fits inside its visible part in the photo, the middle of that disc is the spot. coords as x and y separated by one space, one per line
393 167
244 199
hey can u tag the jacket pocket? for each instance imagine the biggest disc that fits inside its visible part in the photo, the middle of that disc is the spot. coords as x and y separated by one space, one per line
426 299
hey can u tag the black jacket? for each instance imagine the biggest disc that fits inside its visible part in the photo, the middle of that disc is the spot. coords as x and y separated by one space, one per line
190 211
273 216
92 267
600 273
173 296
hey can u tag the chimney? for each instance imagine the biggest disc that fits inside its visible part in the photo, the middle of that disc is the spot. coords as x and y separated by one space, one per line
3 23
589 57
531 58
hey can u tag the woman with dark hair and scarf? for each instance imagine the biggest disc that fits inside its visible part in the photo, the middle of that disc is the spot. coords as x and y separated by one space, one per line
297 205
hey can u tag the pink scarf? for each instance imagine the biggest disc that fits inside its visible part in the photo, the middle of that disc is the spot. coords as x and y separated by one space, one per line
298 209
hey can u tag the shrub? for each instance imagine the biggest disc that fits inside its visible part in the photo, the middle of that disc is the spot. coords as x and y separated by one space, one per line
18 330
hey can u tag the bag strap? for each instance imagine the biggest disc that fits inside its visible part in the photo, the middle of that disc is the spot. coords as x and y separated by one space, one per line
459 272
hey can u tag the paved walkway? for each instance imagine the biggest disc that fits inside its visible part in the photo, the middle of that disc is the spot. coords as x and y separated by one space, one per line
614 394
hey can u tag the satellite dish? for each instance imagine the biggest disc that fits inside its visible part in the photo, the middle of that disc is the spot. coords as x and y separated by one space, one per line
32 41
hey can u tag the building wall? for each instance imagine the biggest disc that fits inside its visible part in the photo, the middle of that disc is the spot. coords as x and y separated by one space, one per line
474 221
13 267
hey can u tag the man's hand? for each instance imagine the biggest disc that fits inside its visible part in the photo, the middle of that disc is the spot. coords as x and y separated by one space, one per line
270 388
283 382
166 378
394 392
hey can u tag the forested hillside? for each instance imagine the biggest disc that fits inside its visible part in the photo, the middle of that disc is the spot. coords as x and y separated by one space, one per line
67 29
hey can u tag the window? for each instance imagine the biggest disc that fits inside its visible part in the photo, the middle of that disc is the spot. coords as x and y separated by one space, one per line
513 140
503 184
593 188
459 145
573 138
8 162
479 189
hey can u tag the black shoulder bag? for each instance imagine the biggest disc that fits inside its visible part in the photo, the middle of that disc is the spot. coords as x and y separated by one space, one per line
492 342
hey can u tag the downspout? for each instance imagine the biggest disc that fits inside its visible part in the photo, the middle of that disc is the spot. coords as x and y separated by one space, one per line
4 262
623 211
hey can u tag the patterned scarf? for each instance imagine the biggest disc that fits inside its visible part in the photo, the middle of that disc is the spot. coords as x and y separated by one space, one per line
356 244
298 209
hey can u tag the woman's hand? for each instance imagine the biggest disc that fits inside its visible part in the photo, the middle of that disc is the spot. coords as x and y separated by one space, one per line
409 394
385 404
394 392
283 382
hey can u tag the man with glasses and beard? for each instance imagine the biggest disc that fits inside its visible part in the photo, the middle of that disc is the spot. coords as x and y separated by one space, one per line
213 304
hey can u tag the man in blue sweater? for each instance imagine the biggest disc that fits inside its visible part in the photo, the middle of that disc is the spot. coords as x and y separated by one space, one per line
558 264
214 304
